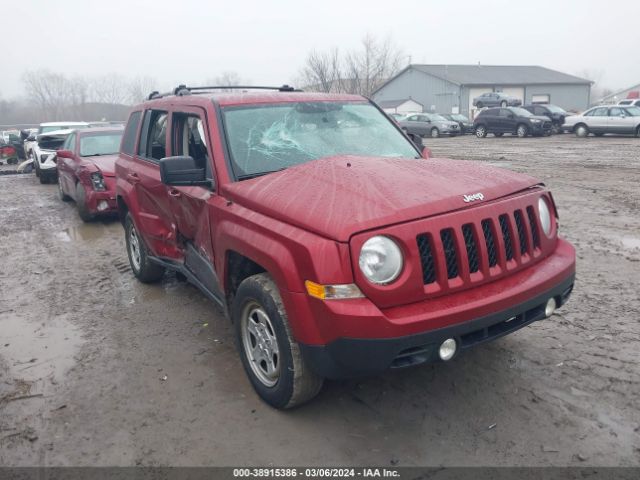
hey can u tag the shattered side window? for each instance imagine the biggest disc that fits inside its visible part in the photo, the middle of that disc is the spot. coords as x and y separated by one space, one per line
271 137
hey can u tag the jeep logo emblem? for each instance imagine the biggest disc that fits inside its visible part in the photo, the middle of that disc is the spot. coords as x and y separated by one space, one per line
473 197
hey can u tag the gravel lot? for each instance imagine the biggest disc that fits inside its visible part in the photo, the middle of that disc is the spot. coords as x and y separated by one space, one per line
98 369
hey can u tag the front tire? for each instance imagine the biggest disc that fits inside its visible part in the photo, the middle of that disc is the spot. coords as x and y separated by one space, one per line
143 268
270 356
581 131
435 133
522 131
503 104
481 131
63 196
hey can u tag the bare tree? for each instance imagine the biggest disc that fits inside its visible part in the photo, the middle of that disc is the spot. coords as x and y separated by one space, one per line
140 88
360 71
111 88
49 90
322 71
228 79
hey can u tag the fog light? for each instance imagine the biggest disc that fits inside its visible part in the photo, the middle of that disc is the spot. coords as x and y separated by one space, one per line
448 349
102 205
550 308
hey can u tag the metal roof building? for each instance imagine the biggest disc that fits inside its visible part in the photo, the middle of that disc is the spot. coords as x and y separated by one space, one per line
452 88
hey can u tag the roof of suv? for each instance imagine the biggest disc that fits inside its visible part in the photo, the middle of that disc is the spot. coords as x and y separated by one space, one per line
250 98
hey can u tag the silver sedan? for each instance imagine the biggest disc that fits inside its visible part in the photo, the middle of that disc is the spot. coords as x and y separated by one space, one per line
603 119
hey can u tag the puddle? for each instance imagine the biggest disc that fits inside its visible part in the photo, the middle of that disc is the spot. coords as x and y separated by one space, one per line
37 350
630 242
87 232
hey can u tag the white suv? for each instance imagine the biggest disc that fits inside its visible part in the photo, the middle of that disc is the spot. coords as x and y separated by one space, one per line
630 102
42 146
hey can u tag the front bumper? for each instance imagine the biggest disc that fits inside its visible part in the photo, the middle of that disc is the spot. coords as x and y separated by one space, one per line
355 337
101 202
355 357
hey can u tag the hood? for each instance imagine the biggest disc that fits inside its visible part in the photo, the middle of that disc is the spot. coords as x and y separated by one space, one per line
337 197
106 163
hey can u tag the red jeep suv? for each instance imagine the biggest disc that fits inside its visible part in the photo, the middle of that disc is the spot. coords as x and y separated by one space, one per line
335 248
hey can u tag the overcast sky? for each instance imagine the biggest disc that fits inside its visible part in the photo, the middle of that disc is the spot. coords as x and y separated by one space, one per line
266 41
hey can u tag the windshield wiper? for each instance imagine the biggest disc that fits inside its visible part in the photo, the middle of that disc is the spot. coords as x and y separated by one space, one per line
248 176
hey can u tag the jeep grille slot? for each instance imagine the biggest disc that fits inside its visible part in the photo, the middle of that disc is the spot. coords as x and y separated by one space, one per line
491 244
472 249
426 258
534 227
450 253
522 235
467 252
506 235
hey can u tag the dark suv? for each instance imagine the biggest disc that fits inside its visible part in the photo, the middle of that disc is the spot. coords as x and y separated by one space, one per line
553 112
513 120
335 247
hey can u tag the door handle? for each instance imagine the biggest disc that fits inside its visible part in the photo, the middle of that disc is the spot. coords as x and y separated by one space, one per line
174 193
133 178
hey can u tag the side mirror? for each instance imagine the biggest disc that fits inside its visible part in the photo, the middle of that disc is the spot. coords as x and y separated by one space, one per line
426 153
182 171
64 154
512 116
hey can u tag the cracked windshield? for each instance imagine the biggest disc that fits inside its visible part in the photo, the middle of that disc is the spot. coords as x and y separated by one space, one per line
269 138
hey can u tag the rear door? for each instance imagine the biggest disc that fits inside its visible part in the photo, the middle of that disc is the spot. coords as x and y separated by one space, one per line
620 121
155 216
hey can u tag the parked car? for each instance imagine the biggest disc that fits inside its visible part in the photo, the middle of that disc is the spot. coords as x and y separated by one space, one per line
31 142
619 119
434 125
513 120
8 153
496 99
44 154
12 138
553 112
373 258
631 102
466 125
86 170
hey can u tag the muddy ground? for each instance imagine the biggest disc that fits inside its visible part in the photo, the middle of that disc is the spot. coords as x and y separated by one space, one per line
97 369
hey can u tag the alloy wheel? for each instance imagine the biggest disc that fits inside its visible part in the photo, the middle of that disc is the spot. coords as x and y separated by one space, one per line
260 344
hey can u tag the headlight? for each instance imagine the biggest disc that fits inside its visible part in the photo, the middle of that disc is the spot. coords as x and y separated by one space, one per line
535 120
380 260
98 181
545 215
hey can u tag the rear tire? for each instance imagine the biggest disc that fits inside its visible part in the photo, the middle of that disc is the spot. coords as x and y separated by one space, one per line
481 131
581 131
638 131
503 104
270 355
435 133
479 105
141 265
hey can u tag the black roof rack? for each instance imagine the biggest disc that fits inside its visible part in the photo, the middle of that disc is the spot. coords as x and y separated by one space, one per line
182 90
